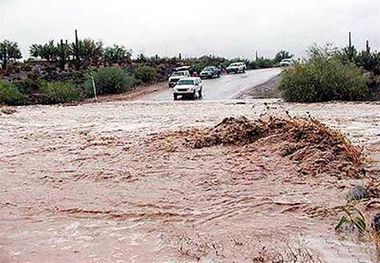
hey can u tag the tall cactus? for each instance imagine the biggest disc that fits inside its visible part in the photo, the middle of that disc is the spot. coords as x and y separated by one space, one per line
350 50
368 48
76 51
63 54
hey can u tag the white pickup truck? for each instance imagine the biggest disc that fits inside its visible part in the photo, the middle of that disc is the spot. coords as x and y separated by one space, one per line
176 76
188 87
237 67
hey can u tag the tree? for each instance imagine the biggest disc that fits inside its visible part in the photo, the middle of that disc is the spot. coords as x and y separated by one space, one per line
117 54
282 55
9 51
90 51
47 51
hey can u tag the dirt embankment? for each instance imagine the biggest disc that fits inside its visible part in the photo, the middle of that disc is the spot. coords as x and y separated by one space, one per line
266 90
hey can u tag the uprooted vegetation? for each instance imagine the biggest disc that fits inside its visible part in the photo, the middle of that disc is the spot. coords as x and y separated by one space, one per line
315 148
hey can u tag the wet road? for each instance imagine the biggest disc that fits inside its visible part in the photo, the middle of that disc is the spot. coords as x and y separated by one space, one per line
226 87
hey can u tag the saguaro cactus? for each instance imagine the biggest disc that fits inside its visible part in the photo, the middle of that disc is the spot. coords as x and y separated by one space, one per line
368 48
63 54
76 51
350 50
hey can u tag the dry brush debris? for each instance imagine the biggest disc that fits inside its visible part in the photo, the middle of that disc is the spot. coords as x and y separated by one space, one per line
7 110
314 147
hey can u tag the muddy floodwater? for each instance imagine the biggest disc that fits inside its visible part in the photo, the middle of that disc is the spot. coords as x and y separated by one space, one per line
90 183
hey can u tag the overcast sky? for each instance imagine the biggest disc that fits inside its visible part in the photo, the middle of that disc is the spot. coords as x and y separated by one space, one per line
230 28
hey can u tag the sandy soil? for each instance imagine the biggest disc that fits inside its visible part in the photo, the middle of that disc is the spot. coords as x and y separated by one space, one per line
268 89
90 183
139 92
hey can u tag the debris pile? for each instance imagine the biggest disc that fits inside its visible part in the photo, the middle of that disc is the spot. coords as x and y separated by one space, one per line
373 189
7 110
315 148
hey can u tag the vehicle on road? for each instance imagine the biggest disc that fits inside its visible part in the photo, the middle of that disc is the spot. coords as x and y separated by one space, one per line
188 87
210 72
237 67
176 76
286 62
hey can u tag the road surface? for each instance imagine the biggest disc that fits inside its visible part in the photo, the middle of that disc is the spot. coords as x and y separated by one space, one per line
224 88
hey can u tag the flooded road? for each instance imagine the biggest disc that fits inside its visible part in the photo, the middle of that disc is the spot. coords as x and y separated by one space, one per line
226 87
89 183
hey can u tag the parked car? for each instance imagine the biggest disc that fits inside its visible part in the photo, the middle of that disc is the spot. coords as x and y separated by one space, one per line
286 62
176 76
237 67
210 72
188 87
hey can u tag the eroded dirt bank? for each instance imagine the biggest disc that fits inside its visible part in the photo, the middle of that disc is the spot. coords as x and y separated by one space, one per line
109 183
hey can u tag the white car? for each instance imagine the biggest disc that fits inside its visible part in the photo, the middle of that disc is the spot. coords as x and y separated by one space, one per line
188 87
237 67
176 76
286 62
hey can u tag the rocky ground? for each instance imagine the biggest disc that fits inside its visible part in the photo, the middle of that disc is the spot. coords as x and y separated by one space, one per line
159 182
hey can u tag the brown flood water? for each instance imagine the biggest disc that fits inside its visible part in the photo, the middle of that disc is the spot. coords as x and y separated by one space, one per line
88 183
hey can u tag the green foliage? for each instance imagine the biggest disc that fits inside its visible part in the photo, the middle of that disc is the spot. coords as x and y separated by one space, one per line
324 78
47 51
9 94
9 51
282 55
90 51
262 63
117 55
59 92
369 61
146 74
110 80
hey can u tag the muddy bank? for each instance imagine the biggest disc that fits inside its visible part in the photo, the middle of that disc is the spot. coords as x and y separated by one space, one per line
102 183
266 90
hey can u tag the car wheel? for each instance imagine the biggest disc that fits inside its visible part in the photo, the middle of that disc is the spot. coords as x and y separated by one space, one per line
200 93
194 97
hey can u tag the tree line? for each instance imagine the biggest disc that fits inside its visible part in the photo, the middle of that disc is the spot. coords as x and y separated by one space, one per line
83 53
78 54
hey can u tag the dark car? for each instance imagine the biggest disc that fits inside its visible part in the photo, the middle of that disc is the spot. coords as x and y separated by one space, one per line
210 72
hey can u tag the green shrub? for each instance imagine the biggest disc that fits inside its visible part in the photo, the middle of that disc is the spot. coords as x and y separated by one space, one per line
263 63
146 74
324 78
110 80
59 92
9 94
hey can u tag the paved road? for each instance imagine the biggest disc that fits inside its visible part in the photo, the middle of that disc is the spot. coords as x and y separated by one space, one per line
224 88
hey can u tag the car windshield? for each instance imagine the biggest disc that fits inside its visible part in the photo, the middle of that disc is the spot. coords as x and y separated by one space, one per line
178 74
235 64
208 69
186 82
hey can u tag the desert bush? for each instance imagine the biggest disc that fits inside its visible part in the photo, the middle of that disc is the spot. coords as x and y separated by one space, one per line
110 80
9 94
261 63
146 74
30 89
324 78
59 92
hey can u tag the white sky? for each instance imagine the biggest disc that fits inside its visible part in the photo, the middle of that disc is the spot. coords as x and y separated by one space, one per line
228 28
